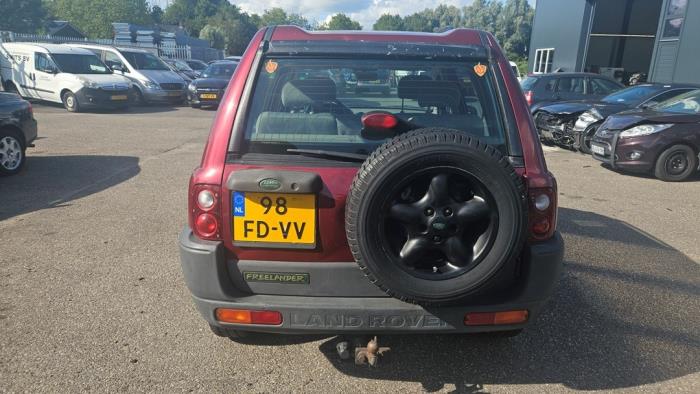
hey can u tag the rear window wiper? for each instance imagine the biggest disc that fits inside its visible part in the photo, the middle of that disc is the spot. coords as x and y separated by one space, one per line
330 154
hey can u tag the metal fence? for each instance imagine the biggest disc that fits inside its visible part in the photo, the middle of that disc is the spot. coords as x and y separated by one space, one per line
165 50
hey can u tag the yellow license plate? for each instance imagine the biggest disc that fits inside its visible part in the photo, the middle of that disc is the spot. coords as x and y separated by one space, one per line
120 97
207 96
274 220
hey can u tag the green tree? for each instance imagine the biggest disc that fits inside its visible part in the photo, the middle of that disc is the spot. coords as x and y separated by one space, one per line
237 28
22 16
273 16
388 22
445 17
420 21
193 15
514 27
341 22
157 15
95 17
215 35
277 16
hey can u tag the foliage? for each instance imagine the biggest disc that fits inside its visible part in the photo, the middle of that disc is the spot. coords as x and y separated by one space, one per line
340 21
215 35
95 17
22 16
193 15
510 21
388 22
157 14
277 16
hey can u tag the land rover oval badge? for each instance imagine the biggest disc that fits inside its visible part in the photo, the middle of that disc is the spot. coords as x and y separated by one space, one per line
270 184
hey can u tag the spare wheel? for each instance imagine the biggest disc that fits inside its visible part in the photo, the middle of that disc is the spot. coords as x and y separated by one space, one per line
435 216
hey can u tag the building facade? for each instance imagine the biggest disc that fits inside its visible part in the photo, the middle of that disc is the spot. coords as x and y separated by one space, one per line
619 38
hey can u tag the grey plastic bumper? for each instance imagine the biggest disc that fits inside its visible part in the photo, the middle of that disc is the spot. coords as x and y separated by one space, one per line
207 275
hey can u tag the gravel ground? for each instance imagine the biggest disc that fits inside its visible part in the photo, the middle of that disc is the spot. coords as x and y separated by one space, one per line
92 297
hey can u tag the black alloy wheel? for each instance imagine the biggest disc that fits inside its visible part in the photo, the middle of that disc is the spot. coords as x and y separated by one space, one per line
439 223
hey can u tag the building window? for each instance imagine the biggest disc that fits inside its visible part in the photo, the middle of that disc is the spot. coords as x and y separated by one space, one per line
543 61
674 18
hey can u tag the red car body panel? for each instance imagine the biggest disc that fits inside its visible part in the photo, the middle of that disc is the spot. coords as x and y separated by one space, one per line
331 237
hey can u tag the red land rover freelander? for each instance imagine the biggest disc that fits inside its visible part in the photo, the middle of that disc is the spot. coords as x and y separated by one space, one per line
424 205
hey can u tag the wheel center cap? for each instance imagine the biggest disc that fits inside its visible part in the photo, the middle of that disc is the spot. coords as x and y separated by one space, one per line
439 225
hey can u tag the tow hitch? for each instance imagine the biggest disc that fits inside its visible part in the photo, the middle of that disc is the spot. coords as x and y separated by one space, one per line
368 354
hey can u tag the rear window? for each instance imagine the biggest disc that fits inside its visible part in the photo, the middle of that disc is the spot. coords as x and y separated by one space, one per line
528 83
318 104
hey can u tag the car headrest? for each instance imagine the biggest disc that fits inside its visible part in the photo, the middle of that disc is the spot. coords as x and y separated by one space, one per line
430 93
303 92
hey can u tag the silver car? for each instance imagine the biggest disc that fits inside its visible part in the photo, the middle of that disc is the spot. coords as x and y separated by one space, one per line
153 80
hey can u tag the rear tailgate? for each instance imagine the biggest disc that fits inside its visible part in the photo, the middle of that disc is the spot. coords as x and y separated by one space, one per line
280 233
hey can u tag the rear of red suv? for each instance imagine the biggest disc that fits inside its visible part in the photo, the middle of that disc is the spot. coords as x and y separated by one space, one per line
318 208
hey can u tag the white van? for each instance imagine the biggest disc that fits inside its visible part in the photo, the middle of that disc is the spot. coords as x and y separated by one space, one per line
72 76
153 80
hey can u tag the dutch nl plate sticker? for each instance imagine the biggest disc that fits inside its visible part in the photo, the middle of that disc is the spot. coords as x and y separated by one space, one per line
274 220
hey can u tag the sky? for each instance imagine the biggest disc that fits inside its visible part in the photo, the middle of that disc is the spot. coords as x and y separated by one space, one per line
364 11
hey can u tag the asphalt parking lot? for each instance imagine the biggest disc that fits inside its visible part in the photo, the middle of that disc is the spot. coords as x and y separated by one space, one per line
92 296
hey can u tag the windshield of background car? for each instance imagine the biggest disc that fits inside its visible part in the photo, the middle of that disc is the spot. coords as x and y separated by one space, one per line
197 65
318 104
182 66
688 103
528 83
633 95
219 70
80 64
144 61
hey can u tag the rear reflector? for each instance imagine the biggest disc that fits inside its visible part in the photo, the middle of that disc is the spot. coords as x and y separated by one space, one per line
495 318
243 316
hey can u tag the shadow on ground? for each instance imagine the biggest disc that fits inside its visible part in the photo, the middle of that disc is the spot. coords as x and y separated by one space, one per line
54 181
135 109
624 315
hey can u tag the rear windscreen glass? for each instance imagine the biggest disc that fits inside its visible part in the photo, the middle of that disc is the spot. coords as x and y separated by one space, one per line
318 103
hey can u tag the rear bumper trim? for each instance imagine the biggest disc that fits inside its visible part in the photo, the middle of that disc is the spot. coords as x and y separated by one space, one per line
212 281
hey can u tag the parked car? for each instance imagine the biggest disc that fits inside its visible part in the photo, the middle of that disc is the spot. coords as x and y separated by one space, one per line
572 124
17 132
71 76
418 213
152 79
197 65
209 88
233 58
544 89
663 140
182 68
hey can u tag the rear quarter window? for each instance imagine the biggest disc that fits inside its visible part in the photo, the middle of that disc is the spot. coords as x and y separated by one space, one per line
302 103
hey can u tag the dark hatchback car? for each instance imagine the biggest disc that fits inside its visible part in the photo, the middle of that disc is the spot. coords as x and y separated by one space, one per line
663 140
17 132
572 124
543 89
208 89
428 211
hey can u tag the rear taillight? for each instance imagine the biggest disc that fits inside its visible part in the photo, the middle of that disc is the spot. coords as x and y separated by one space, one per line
205 211
31 109
542 213
244 316
528 97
